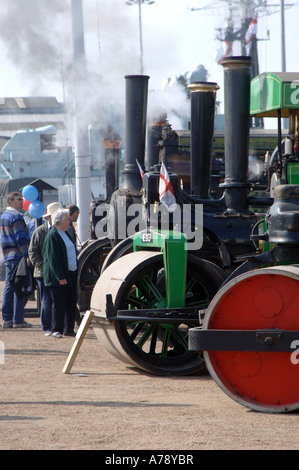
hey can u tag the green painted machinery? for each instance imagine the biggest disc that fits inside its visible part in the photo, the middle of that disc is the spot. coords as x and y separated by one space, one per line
153 296
276 95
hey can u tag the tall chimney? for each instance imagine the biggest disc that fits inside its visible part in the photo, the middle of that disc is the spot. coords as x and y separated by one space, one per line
203 99
82 158
236 132
136 110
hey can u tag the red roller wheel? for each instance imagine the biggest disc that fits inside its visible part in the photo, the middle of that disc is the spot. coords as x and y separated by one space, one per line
263 299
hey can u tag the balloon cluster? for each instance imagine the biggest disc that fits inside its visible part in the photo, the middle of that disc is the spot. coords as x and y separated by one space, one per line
31 204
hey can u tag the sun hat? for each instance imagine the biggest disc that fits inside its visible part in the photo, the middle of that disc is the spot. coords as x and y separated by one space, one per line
52 208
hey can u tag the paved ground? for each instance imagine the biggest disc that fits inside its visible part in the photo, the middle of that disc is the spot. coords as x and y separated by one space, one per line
104 405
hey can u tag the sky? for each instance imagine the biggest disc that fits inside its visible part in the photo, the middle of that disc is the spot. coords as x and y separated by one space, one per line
36 45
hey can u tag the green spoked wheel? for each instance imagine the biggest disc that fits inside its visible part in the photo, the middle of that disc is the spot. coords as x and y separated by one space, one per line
137 281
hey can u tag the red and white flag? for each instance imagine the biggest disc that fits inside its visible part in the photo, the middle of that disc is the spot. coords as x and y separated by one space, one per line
251 31
225 50
140 169
166 193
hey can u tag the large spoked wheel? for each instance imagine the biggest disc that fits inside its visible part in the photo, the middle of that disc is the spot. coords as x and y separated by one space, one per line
265 299
90 262
136 281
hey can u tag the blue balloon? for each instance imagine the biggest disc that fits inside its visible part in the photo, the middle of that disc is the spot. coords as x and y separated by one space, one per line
36 209
30 193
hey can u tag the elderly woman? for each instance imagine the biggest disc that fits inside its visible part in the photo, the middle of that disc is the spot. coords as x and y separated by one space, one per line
60 274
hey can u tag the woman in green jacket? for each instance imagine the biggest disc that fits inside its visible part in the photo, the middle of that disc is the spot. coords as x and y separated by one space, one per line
60 274
35 253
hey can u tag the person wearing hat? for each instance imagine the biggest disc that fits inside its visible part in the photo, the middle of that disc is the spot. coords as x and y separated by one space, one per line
35 252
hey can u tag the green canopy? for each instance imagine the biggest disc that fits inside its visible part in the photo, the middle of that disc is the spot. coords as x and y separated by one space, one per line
271 92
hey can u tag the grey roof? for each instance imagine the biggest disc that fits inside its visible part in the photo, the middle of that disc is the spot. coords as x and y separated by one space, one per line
18 126
29 105
285 76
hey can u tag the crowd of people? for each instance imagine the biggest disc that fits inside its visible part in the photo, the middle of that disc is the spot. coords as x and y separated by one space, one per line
50 252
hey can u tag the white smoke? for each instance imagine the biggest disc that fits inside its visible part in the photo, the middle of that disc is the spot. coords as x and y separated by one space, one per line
31 33
174 102
37 38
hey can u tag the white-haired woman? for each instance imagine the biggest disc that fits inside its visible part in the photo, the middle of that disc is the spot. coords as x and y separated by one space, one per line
60 274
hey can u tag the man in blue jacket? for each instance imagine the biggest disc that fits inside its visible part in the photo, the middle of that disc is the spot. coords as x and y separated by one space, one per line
14 243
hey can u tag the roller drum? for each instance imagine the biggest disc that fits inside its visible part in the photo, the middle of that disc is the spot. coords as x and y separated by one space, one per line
137 280
262 300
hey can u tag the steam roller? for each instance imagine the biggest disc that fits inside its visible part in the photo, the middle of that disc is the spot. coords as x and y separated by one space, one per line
150 290
249 337
250 332
172 311
146 295
154 297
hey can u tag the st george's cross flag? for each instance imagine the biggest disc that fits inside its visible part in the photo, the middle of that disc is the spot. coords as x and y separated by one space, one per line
225 50
166 193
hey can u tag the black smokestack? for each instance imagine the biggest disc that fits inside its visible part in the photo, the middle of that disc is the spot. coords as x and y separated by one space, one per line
236 132
136 109
203 99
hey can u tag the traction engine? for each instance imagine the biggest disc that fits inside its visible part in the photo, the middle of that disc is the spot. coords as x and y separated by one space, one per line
228 305
250 331
160 285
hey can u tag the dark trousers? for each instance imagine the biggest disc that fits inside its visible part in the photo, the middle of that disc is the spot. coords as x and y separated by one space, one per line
46 305
64 305
12 306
